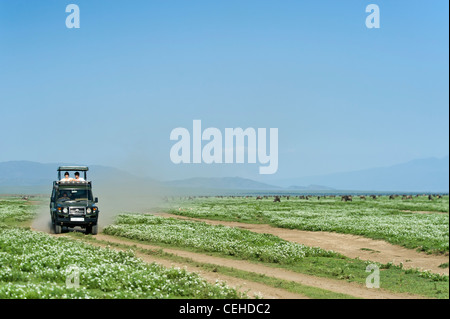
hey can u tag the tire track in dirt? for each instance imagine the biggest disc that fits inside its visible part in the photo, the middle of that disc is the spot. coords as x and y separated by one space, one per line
252 289
42 224
348 245
338 286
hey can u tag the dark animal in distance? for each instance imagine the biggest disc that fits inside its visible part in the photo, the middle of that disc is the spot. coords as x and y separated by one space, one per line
346 198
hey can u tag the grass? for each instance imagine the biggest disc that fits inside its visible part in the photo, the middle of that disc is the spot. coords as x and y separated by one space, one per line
291 286
36 265
323 264
16 211
377 219
26 283
227 240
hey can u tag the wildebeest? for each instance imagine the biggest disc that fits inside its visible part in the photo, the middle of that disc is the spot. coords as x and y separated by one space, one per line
277 199
259 197
346 198
362 197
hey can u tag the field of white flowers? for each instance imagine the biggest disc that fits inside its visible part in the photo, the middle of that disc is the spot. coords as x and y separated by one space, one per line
15 210
394 221
227 240
243 244
37 265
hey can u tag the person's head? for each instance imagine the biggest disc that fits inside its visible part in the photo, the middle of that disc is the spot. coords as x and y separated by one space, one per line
64 194
66 174
77 175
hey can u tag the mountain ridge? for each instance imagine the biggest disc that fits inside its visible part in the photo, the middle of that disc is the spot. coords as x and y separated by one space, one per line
420 175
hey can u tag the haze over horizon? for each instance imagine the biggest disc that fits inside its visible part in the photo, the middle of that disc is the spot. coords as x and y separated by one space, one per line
257 176
420 176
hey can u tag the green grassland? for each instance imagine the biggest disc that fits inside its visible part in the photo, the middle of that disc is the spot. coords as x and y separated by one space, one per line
400 222
37 265
34 264
270 250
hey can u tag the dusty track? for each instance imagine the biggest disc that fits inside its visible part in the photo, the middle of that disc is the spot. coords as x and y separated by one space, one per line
339 286
252 289
327 242
348 245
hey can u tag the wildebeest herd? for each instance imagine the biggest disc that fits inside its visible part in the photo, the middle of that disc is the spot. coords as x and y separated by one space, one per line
344 198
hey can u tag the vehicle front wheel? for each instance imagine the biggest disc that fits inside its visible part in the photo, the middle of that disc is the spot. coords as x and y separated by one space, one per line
57 229
91 230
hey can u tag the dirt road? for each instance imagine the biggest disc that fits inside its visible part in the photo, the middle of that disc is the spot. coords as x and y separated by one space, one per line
348 245
252 289
339 286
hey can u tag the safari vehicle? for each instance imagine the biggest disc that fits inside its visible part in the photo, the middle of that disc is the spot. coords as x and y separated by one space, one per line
72 204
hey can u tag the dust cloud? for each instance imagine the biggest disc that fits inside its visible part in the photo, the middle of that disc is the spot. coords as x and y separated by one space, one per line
42 222
115 196
129 196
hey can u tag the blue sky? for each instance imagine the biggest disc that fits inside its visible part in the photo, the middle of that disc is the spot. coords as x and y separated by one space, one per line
343 97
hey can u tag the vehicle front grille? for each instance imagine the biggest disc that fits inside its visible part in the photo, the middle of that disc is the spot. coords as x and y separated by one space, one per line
76 210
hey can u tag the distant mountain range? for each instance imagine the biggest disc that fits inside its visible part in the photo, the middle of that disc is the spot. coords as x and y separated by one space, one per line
221 183
424 175
32 174
236 183
26 173
421 175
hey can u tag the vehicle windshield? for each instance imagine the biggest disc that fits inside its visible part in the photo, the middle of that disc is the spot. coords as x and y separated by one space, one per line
74 195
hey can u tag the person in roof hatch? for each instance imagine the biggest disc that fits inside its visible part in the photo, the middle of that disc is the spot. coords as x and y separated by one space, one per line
78 178
66 178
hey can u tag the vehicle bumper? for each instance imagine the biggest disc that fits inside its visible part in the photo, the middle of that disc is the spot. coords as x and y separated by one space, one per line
74 221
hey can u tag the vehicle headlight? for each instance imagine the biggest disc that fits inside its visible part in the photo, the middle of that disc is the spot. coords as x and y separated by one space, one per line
88 210
65 210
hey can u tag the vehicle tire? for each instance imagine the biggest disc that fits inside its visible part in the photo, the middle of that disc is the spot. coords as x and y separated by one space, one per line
88 230
94 230
57 229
